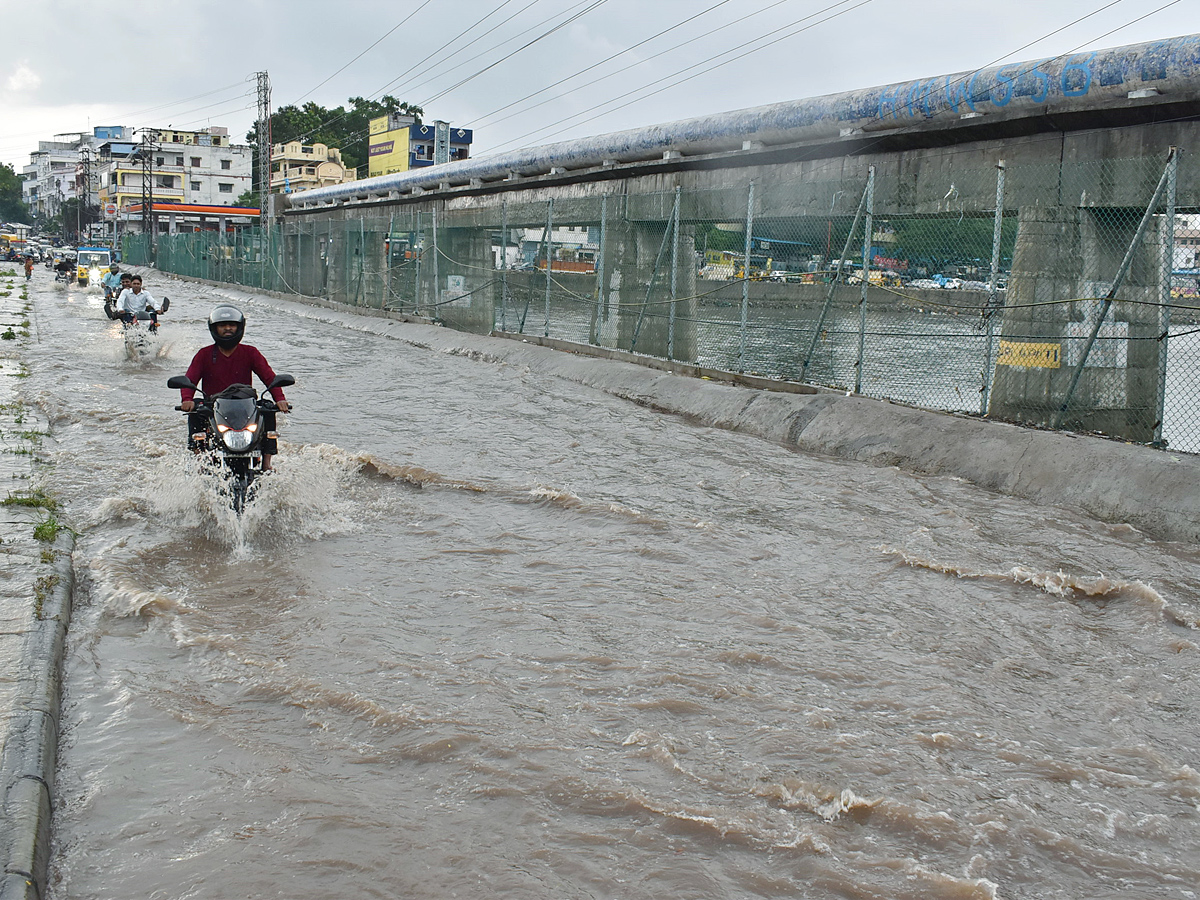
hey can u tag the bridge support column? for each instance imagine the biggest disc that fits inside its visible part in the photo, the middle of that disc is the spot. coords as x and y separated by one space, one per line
639 268
1061 260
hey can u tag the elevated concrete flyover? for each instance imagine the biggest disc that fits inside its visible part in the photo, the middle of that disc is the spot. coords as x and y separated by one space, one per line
1065 154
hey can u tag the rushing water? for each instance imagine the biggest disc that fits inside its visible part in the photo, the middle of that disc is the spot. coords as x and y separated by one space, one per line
489 633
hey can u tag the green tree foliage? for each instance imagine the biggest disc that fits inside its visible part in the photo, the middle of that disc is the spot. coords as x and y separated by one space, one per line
12 206
344 127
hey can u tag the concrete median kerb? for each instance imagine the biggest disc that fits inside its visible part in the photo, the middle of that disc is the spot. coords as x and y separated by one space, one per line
35 609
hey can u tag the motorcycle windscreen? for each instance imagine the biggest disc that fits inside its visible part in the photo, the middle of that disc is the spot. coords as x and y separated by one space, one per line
235 414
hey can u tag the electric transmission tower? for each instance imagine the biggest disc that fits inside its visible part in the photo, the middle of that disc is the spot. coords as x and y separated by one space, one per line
264 174
149 146
264 142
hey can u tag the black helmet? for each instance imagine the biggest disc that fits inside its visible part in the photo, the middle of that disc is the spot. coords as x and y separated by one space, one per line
114 268
227 314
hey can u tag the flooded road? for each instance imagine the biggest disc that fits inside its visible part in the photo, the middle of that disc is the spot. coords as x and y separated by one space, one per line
489 633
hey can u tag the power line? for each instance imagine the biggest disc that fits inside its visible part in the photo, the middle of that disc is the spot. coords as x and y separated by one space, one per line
382 90
860 149
638 63
572 16
481 120
561 25
364 53
701 63
499 44
967 77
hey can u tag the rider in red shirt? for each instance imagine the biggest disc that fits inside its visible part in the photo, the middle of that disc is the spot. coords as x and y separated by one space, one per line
228 361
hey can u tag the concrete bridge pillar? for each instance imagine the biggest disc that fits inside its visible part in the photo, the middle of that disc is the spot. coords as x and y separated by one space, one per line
1063 265
640 265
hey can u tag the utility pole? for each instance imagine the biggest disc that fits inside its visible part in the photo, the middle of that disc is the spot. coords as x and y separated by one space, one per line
149 146
86 200
264 175
264 141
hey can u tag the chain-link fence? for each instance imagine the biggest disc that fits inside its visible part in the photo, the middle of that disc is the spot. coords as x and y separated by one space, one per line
1062 295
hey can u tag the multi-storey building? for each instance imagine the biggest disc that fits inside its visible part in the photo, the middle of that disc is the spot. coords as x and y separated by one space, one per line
64 169
298 167
194 167
50 175
397 143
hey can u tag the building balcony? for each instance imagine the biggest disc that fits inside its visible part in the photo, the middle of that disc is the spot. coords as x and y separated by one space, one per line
135 191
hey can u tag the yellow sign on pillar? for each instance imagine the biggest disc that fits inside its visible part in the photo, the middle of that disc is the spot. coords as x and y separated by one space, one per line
1029 354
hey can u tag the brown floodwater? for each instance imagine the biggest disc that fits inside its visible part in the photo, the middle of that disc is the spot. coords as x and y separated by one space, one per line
491 633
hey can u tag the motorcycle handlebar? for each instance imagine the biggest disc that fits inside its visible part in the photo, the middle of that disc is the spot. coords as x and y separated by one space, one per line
202 406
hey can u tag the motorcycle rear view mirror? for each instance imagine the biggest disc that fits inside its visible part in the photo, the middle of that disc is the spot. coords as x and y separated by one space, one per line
166 304
180 382
282 381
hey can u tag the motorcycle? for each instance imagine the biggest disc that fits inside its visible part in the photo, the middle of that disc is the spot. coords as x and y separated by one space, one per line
110 302
233 432
139 341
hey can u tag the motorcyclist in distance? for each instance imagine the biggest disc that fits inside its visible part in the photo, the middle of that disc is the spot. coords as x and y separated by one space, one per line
111 282
225 362
134 300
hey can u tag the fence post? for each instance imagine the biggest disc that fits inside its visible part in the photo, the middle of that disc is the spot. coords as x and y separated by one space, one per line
833 283
674 276
549 260
993 305
866 278
387 264
837 278
420 253
437 286
1164 320
504 265
746 280
360 291
1122 270
601 290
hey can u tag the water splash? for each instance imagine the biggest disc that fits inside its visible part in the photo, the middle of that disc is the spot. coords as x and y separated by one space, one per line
305 497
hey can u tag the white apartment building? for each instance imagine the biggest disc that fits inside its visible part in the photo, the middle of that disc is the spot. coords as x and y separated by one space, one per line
194 167
50 176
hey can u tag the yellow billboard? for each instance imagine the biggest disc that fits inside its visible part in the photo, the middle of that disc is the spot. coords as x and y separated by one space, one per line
387 150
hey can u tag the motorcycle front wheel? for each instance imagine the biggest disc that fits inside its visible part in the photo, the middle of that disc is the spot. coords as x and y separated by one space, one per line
241 478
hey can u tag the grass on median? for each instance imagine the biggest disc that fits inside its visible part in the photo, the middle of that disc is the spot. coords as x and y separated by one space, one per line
35 499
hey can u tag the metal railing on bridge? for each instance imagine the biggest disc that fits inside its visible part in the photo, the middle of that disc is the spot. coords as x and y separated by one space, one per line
1071 301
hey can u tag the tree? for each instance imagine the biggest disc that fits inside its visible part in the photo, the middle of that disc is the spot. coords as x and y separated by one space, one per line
346 129
12 204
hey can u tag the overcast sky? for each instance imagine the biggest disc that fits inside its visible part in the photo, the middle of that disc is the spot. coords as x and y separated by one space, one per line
69 66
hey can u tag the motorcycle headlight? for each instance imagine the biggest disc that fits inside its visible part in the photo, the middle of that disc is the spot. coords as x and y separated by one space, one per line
238 440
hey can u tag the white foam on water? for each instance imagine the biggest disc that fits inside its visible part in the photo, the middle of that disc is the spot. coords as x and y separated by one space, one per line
305 497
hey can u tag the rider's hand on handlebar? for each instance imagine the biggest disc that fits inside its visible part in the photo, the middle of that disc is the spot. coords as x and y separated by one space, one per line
187 405
283 406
